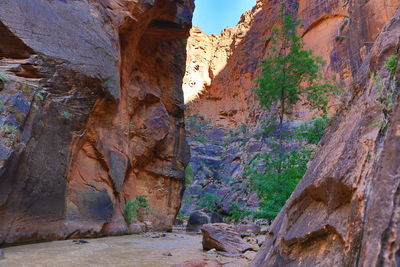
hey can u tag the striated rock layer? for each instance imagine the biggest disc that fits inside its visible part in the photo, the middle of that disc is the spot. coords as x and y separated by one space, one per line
91 114
346 210
221 69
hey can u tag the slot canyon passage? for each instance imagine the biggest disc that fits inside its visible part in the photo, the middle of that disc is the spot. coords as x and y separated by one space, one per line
125 129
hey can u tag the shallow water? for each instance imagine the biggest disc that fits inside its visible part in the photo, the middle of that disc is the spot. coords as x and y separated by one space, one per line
131 250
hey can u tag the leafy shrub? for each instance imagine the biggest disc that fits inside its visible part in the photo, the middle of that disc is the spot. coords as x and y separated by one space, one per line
134 207
209 201
39 96
391 64
339 38
387 91
237 213
3 77
201 139
183 217
276 184
189 174
312 131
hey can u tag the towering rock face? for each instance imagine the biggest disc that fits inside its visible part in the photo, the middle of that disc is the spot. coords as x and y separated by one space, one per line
91 114
346 210
221 69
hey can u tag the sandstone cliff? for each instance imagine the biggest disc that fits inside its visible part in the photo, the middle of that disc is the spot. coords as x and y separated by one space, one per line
345 211
91 114
221 69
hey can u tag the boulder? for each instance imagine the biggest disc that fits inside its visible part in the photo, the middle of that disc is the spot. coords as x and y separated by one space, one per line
247 229
179 221
196 220
216 218
222 237
250 255
252 241
264 230
260 240
137 228
199 263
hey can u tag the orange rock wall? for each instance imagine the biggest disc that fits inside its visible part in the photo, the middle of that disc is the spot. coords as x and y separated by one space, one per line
103 119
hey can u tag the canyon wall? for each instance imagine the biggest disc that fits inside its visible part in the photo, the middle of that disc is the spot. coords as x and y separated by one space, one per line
221 69
346 210
91 115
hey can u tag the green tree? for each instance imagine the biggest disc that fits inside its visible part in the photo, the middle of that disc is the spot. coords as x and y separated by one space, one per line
290 73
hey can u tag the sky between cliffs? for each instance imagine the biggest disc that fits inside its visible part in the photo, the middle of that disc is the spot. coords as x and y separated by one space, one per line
212 16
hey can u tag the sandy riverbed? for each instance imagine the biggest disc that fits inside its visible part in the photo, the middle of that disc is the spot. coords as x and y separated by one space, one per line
132 250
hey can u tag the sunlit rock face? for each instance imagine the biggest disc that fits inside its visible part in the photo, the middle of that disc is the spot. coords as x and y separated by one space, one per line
345 211
91 114
222 69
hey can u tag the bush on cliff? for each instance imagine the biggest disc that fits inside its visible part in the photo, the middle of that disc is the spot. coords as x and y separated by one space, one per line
134 207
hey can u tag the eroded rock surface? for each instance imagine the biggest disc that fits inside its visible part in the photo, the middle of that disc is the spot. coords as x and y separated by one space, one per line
91 115
345 211
222 237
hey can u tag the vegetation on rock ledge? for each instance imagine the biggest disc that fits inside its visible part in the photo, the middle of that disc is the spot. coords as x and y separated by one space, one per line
134 207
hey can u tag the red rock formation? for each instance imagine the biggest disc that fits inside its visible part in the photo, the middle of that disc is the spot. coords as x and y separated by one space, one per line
345 211
222 69
92 114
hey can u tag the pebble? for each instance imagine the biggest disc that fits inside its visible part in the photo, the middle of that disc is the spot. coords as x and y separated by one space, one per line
211 251
169 254
80 241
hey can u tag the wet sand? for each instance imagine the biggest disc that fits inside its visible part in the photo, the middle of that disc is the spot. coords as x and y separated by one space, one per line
131 250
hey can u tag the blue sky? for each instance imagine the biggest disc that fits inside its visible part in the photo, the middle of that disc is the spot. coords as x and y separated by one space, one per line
214 15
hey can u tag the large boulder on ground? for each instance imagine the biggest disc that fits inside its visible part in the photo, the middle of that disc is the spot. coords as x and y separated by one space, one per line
223 237
196 220
199 263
